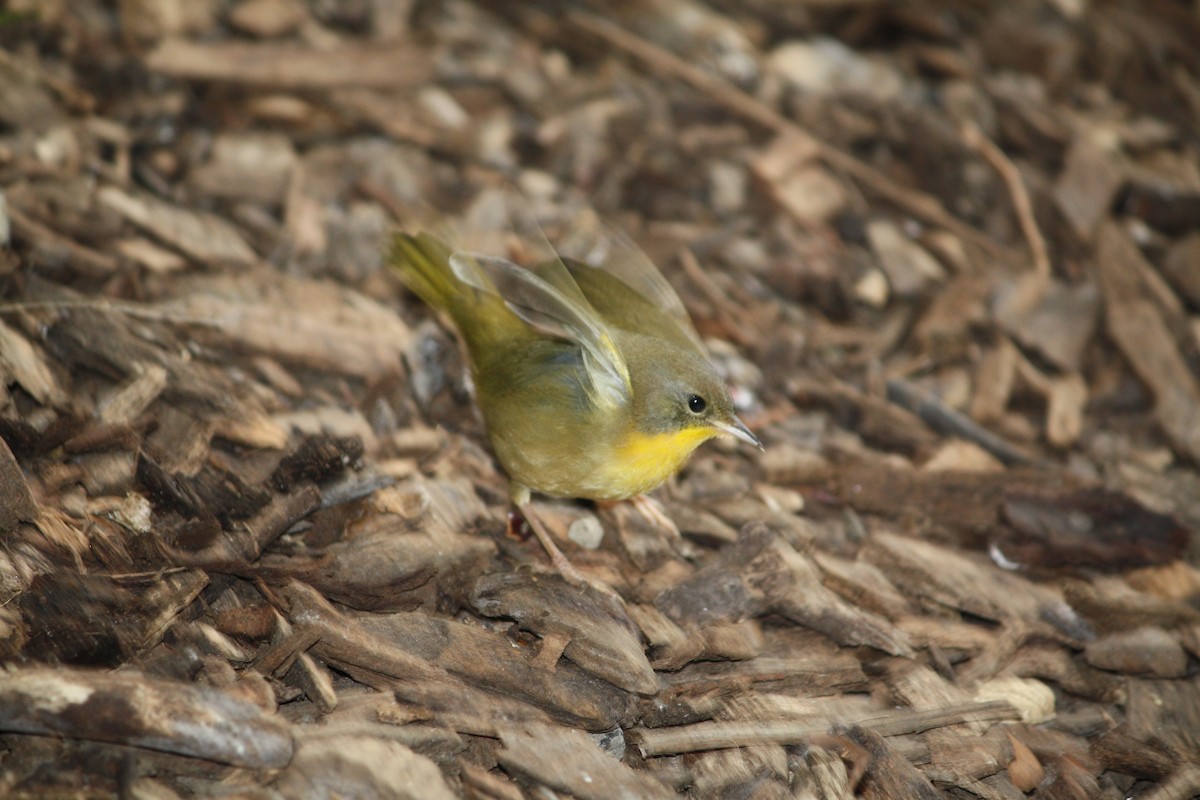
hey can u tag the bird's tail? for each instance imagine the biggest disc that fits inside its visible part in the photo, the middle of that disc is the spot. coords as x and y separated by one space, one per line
424 263
464 293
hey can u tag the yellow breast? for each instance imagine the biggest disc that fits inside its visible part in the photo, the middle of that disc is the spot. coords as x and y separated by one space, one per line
642 461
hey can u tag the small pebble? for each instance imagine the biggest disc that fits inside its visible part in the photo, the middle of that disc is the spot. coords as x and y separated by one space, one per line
587 532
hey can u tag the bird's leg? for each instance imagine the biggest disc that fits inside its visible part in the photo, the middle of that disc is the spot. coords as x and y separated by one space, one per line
650 509
522 499
564 567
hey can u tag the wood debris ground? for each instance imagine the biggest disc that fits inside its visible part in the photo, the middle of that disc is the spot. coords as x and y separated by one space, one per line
947 255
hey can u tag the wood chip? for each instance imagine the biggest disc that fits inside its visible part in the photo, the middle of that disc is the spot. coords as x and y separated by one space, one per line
1142 651
1089 182
603 640
138 710
149 255
908 266
202 236
255 167
128 402
489 658
1033 699
944 576
786 168
1166 711
287 66
569 761
1059 327
1136 325
361 766
307 322
16 500
267 18
761 574
25 364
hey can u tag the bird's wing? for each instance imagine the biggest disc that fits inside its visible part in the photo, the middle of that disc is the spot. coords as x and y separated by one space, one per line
553 304
615 254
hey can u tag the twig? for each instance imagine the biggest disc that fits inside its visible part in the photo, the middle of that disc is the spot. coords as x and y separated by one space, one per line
73 97
725 311
114 307
917 203
949 422
234 549
977 140
91 262
720 735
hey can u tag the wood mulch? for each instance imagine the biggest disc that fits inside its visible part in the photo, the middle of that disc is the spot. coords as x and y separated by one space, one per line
946 254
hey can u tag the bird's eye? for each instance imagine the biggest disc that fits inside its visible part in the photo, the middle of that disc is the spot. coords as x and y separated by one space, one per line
697 404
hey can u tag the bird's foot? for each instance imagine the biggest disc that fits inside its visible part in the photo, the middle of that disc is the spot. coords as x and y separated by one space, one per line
652 511
560 561
565 568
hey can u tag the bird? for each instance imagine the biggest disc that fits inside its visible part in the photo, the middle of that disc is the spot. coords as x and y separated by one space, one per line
591 379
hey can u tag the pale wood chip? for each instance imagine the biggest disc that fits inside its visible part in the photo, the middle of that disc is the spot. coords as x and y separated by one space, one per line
1135 323
203 236
149 255
569 760
128 402
361 766
316 324
288 66
28 367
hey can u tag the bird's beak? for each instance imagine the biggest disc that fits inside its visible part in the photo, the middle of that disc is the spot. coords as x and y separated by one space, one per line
737 429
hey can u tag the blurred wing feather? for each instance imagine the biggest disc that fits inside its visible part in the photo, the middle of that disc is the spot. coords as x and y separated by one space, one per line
615 253
556 308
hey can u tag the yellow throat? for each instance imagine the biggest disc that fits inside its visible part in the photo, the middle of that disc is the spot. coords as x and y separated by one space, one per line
643 461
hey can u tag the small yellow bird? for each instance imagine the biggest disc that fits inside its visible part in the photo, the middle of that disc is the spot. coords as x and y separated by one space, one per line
592 380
